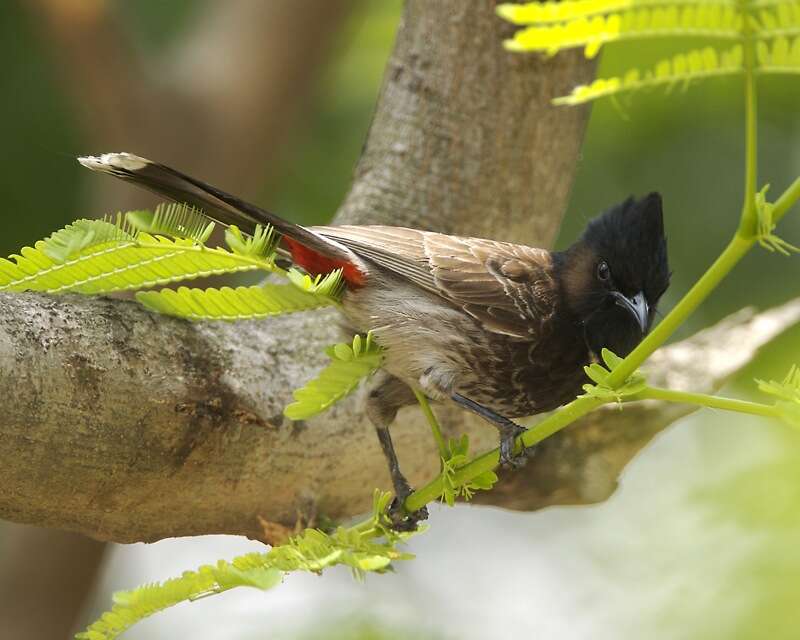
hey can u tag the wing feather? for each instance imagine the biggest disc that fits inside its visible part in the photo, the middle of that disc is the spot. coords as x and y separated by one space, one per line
509 288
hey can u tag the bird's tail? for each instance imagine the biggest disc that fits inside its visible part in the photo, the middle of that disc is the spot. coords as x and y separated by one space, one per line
311 250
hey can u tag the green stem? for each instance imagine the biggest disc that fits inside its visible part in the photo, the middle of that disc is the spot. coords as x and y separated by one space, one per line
704 400
786 200
734 252
434 424
488 461
748 225
740 244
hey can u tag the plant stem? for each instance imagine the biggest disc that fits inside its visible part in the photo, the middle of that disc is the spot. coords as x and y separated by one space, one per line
740 244
786 200
433 422
704 400
488 461
742 241
748 224
734 252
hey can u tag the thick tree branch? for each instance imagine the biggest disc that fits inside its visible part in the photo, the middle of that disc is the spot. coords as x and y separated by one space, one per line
127 426
464 139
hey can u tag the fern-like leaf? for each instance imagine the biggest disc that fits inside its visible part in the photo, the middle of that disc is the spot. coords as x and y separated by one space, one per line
691 20
260 245
241 303
765 232
681 69
371 546
173 219
786 394
774 25
599 373
132 606
778 19
85 234
98 256
350 365
546 12
782 57
329 286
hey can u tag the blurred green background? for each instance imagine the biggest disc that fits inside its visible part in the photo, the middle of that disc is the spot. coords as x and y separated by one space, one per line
686 144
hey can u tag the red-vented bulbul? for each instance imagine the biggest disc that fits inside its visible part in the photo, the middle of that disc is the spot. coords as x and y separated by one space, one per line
503 330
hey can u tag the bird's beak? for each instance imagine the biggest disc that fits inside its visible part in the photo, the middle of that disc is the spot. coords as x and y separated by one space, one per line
637 306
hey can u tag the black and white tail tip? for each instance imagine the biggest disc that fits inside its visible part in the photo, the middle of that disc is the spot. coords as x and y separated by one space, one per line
114 163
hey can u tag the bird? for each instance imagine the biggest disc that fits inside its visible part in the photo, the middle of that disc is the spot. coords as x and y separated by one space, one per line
502 330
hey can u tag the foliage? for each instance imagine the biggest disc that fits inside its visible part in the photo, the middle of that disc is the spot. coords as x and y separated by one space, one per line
349 365
774 27
787 395
370 546
105 256
602 388
766 226
458 456
246 303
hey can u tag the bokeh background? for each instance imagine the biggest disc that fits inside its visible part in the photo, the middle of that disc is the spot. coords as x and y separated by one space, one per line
701 539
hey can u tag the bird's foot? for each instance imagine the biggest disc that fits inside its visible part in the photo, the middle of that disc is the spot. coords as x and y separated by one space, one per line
508 435
401 519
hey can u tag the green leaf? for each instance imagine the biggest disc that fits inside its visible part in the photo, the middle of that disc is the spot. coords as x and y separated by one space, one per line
241 303
331 285
682 69
458 456
544 12
777 19
260 245
98 256
719 21
371 546
766 227
787 395
82 235
349 365
173 219
131 606
782 57
596 372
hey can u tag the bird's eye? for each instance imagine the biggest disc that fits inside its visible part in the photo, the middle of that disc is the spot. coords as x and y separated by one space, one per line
603 272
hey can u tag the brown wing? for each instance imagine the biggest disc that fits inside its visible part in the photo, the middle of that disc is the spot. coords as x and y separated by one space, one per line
509 288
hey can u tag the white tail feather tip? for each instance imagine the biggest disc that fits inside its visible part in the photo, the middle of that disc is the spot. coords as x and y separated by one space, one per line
111 161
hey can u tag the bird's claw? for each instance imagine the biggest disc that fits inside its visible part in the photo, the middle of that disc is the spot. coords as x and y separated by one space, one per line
508 437
401 519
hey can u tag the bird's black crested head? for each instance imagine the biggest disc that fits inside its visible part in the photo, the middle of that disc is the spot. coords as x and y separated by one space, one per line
615 274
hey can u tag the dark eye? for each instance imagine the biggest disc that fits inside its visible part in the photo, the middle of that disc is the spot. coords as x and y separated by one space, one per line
603 272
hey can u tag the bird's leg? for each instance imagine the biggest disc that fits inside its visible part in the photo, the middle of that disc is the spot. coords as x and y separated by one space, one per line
509 430
387 395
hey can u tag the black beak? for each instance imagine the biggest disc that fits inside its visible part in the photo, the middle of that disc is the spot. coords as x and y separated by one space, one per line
637 306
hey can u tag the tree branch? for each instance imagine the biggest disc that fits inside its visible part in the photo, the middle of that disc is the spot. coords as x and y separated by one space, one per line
128 426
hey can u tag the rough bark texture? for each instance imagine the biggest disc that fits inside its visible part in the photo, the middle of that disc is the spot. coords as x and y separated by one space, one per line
128 426
464 139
